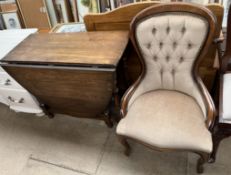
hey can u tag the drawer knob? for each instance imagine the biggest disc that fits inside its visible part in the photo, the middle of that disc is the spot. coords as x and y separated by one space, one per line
7 82
21 100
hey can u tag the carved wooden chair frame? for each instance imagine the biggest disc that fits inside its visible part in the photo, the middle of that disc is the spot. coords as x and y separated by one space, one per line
174 7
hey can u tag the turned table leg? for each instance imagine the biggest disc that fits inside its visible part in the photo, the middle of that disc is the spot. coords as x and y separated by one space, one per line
46 111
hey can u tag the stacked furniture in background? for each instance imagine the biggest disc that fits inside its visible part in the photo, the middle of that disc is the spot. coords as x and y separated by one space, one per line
44 14
41 14
120 18
10 17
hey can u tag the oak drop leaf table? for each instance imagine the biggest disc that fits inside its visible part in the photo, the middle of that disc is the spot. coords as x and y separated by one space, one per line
71 73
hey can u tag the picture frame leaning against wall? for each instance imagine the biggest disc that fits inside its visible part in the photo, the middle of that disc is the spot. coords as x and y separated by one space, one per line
87 6
11 20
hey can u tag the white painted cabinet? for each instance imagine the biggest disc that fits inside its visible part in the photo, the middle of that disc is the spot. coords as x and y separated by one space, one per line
11 92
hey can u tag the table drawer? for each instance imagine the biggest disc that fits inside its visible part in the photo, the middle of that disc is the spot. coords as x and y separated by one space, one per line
20 100
6 81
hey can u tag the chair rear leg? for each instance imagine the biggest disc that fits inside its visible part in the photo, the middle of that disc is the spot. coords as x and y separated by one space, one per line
127 147
204 157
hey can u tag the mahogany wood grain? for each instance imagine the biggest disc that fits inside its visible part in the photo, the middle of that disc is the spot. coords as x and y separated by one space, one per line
85 48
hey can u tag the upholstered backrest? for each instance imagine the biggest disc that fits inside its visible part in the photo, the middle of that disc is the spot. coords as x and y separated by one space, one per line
169 44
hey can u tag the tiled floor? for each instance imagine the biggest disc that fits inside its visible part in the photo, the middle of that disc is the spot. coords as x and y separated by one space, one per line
30 145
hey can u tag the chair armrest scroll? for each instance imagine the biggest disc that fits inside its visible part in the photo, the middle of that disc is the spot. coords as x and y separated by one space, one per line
211 112
127 96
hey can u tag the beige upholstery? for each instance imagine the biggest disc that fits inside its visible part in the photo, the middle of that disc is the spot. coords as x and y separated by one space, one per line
167 119
170 43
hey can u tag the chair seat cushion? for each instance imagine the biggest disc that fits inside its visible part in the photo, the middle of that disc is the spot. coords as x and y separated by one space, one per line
167 119
225 112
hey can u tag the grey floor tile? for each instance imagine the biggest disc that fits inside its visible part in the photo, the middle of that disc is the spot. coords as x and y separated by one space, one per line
224 153
12 160
6 124
142 161
209 169
220 167
66 141
34 167
73 143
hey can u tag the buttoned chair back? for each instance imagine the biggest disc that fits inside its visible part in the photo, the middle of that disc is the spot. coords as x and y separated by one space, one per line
171 43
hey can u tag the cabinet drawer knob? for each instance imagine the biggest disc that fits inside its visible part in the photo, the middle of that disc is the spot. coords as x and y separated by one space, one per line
21 100
7 82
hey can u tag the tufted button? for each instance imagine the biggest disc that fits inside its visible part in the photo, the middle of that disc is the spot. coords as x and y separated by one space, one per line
168 30
155 58
189 45
181 59
183 30
167 58
174 44
173 71
148 45
154 31
161 45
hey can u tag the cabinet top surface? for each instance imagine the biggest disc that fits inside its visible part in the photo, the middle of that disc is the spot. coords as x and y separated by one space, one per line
86 48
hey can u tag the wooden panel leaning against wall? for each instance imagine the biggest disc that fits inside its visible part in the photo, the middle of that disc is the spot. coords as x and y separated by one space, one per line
119 19
34 14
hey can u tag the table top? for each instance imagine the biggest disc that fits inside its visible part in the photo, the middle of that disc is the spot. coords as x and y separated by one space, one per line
103 48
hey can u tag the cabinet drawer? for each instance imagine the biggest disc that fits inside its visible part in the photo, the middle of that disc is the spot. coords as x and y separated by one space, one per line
6 81
20 100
